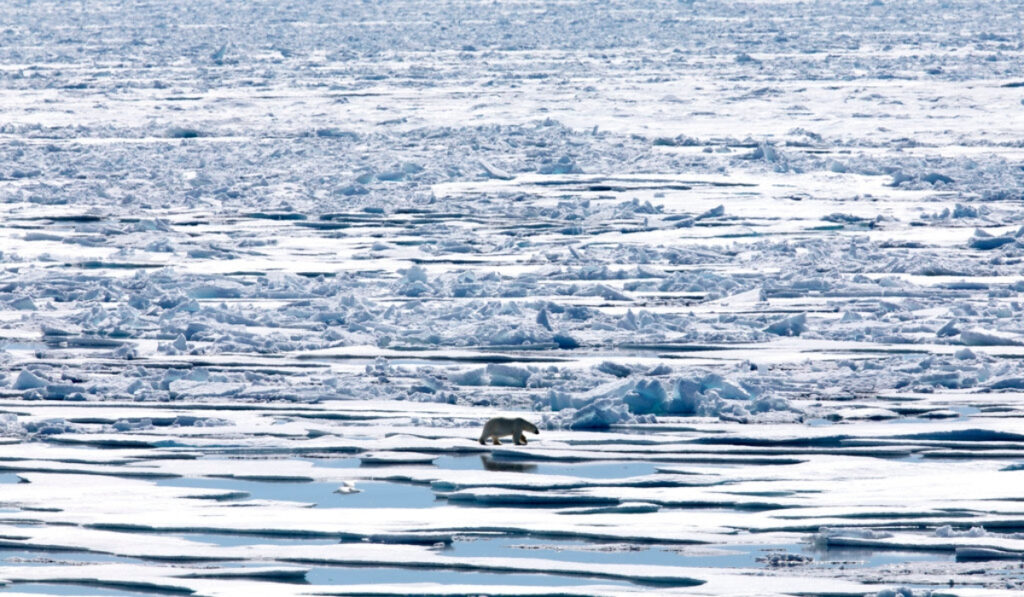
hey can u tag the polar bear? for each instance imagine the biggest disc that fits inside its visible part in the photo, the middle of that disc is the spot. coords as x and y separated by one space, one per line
501 426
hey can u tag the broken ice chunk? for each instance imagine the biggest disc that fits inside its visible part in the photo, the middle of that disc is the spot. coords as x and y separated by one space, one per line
949 329
715 212
977 337
542 319
390 458
614 369
789 326
28 380
347 487
493 171
647 397
23 304
935 178
508 376
983 241
600 414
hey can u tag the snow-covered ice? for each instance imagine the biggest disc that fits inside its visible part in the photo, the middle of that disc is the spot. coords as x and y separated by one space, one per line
755 269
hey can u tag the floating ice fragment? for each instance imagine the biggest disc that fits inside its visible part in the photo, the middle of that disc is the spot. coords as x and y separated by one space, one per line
846 219
60 329
715 212
334 133
564 165
677 141
949 531
686 399
965 354
493 171
414 274
23 304
903 592
28 380
785 560
179 132
983 241
982 554
724 388
648 397
949 329
63 391
218 54
964 211
222 289
614 369
48 427
899 178
1009 383
600 414
9 425
789 326
391 176
132 425
195 328
978 337
353 189
347 487
935 177
628 321
565 342
608 293
178 346
414 282
836 166
866 414
392 458
507 375
623 508
473 377
763 152
856 533
542 319
195 388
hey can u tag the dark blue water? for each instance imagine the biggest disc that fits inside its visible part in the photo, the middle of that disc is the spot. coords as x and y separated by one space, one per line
869 558
373 494
70 589
373 575
334 462
229 540
587 470
741 556
700 556
37 557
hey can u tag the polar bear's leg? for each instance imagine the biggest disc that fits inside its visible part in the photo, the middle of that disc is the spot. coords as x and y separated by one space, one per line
496 442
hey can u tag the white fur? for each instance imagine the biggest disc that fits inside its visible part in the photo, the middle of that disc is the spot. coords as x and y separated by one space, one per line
501 426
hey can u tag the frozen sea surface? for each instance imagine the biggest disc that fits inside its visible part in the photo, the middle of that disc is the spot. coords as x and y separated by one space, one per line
756 270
